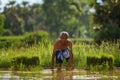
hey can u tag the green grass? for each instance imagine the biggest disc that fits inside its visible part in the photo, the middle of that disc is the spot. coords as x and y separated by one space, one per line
44 52
11 37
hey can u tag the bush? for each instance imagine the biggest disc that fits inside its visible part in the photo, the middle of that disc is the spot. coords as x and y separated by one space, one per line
28 39
110 32
6 32
36 38
9 41
27 62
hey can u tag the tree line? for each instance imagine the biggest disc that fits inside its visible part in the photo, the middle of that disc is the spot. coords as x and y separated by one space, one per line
51 16
54 16
106 20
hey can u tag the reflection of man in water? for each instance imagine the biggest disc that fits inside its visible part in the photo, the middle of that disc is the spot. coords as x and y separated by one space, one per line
63 75
63 50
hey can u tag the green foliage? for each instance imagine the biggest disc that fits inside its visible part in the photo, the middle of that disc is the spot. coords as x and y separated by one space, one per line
109 33
11 41
28 39
61 15
2 18
117 60
5 62
82 40
13 21
52 16
36 38
94 60
106 17
6 32
25 62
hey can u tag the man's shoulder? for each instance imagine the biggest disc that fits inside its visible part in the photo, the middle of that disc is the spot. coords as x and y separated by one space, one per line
57 41
69 40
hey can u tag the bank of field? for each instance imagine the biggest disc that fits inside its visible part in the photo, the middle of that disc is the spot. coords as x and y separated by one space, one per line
44 51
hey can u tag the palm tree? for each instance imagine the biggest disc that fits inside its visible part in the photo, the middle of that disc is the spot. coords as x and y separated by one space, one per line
25 3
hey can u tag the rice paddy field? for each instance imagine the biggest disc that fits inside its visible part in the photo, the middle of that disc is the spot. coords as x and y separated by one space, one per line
43 71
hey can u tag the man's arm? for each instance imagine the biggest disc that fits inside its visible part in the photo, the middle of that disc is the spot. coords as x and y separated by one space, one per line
71 51
53 55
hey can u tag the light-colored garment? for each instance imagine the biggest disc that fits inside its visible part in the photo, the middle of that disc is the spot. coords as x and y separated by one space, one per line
66 53
61 54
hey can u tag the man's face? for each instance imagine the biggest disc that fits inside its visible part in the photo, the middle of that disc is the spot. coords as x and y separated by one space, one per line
63 37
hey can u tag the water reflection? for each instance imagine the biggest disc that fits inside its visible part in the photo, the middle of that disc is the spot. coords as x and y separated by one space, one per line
83 75
62 75
48 74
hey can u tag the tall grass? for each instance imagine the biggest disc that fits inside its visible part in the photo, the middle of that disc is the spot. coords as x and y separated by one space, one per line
44 52
81 50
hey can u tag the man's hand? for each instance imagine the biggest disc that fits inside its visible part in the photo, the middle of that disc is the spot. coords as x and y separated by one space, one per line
53 56
52 66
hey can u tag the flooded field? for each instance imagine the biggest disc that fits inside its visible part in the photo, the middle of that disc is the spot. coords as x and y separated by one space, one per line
48 74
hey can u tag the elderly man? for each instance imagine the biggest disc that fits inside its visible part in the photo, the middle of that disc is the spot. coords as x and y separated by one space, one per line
63 50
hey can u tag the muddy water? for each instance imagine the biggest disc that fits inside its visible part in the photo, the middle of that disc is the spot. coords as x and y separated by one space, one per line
48 74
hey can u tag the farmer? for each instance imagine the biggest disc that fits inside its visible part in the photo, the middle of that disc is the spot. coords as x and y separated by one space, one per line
62 50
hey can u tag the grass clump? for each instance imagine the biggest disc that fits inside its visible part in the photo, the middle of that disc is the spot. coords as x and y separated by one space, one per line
105 61
24 62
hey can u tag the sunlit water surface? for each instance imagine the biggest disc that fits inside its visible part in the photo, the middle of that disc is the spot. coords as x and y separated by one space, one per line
48 74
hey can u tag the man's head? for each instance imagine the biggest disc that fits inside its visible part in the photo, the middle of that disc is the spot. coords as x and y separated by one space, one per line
63 35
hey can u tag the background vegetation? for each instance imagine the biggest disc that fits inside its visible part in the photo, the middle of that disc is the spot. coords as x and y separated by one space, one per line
51 16
81 18
31 29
